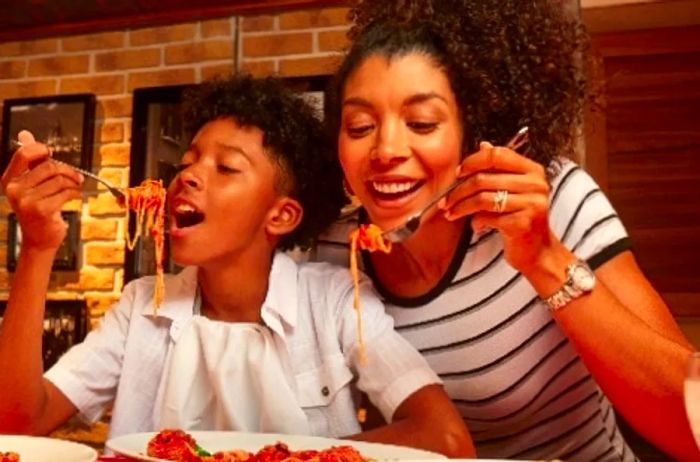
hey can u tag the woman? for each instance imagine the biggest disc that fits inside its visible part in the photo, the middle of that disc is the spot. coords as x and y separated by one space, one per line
519 287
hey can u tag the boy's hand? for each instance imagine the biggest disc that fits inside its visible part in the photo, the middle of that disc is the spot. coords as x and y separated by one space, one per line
37 189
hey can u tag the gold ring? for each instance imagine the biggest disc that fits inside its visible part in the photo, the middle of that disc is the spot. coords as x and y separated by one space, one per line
499 200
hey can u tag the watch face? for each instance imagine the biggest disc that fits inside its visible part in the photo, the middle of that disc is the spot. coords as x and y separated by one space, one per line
583 278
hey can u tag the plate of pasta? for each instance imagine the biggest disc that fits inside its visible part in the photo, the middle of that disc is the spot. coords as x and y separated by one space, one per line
222 446
17 448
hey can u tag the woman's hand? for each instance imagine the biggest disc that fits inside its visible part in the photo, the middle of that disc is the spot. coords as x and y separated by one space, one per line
37 189
520 213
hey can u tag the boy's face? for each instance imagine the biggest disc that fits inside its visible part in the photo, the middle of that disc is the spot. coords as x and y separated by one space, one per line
222 200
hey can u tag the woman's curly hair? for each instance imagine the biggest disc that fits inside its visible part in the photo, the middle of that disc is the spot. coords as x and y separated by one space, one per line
510 63
292 134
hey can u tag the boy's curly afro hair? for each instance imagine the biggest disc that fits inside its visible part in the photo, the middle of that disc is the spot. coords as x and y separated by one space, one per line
292 134
510 63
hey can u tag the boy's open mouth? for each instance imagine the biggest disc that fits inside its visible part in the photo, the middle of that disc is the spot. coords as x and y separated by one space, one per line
186 216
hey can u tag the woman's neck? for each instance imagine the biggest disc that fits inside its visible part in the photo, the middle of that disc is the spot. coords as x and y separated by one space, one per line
235 291
416 265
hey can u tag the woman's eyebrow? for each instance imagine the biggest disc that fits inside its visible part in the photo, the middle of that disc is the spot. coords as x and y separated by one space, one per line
356 101
423 97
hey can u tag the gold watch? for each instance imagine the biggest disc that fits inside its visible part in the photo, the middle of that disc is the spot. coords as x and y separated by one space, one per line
580 280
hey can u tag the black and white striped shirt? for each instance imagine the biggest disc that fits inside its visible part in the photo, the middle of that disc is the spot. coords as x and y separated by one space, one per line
515 377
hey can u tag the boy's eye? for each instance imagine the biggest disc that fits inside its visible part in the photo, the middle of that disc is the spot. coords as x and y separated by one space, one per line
423 127
226 169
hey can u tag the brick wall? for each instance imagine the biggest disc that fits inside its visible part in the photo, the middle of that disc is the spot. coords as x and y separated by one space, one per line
111 65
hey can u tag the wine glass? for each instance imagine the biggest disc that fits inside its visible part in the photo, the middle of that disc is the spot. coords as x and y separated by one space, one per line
692 395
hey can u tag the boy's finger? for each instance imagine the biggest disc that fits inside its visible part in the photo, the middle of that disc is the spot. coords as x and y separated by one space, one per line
25 137
27 157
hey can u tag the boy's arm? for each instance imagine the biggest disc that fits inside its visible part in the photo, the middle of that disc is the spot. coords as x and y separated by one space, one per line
36 189
400 383
427 419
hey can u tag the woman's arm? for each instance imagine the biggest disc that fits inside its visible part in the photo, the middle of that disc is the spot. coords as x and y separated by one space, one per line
622 330
36 189
427 419
629 341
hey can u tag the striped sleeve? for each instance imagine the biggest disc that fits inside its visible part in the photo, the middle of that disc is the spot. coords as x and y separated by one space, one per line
584 219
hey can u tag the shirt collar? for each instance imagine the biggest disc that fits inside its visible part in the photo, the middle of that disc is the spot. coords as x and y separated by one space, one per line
178 297
280 305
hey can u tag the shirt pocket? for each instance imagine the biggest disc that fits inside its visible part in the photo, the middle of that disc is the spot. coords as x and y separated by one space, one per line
320 386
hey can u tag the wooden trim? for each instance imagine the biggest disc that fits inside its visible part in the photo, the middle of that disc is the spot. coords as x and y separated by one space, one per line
650 15
168 16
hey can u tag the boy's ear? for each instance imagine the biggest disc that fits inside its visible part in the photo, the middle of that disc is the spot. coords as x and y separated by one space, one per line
284 216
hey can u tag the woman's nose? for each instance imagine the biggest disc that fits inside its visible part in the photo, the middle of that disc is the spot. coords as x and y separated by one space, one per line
391 145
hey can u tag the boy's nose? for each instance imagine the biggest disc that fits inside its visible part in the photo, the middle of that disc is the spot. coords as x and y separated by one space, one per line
190 179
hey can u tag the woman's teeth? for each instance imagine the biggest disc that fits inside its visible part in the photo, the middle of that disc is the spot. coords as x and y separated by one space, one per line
394 187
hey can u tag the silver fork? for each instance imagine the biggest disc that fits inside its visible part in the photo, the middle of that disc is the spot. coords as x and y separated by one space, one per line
406 230
116 192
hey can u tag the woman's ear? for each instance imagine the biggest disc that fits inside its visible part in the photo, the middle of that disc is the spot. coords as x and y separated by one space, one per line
284 216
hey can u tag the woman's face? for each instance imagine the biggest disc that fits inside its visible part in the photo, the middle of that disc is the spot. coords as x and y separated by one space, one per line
400 136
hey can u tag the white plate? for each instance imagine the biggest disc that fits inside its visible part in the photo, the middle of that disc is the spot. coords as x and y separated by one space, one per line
38 449
134 445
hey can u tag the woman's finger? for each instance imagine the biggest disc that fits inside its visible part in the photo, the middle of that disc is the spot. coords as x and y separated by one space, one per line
514 183
498 158
498 203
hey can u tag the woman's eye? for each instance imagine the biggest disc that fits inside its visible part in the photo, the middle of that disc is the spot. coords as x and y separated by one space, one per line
423 127
359 131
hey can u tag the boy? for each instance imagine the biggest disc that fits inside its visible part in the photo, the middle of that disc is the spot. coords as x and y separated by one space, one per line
245 338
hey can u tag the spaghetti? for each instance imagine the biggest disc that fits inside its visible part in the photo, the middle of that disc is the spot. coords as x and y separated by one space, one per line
366 237
147 200
9 457
177 445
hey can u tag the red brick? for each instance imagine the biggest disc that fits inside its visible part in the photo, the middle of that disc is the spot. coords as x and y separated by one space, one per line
334 40
114 155
104 204
209 72
258 23
216 28
200 51
309 66
104 254
276 44
12 69
127 59
114 107
31 47
99 230
98 303
160 78
259 68
25 89
60 65
111 132
314 18
98 84
94 41
165 34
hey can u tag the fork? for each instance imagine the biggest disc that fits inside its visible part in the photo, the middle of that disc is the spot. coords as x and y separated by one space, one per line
406 230
116 192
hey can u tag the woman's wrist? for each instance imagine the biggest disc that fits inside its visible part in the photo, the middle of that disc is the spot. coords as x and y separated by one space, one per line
547 273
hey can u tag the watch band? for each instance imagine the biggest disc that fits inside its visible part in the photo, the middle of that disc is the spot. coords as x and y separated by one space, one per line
580 280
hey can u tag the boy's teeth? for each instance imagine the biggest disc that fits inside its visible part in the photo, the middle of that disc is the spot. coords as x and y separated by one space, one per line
393 187
184 208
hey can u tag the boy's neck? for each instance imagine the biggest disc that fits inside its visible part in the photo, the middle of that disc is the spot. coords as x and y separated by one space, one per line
235 292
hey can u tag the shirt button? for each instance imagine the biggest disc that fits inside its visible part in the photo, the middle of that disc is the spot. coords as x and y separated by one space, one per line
325 391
